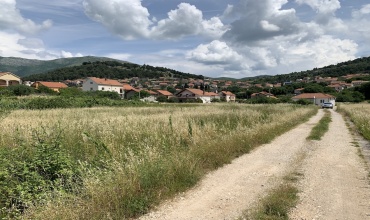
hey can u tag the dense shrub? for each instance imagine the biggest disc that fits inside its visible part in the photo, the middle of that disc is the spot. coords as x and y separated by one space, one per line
304 102
30 176
21 90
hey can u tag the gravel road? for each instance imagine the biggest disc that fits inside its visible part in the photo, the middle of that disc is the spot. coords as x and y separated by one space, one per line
334 185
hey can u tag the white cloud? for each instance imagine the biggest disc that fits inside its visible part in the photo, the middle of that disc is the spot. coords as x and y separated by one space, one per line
17 45
322 6
130 20
269 27
65 54
11 18
126 18
187 20
216 52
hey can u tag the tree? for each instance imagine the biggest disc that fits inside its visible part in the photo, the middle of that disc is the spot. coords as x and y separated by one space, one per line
21 90
171 89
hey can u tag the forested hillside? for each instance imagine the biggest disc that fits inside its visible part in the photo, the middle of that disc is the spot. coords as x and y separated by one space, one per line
24 67
108 69
360 65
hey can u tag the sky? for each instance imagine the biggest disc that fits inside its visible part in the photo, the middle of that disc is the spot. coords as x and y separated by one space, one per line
215 38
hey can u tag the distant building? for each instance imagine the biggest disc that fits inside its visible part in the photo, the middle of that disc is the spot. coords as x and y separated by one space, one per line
316 98
98 84
9 79
55 86
228 96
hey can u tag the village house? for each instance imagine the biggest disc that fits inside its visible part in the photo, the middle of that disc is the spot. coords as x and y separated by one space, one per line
9 79
192 94
316 98
298 91
228 96
165 93
98 84
55 86
262 94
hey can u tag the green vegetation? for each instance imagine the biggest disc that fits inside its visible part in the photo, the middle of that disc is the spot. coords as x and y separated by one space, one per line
277 204
119 162
108 69
321 128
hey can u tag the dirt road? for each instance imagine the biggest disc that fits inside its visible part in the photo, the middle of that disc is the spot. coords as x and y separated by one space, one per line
334 184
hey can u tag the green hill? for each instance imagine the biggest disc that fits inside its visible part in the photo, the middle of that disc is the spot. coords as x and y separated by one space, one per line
108 69
360 65
24 67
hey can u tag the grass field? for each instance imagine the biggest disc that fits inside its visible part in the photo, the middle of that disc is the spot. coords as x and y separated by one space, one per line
360 115
117 163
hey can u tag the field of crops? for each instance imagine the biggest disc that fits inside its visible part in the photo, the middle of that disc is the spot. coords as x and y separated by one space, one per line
360 115
100 163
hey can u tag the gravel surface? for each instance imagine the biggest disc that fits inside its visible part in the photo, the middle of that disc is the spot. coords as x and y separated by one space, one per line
334 185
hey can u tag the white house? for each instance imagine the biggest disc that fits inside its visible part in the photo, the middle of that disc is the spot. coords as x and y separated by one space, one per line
188 94
316 98
98 84
229 96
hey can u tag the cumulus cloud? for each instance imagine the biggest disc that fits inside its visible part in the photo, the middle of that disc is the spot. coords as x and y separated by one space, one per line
130 20
126 18
65 54
261 20
216 52
11 18
185 21
17 45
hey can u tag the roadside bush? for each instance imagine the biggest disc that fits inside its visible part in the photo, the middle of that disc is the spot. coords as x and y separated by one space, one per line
303 102
30 176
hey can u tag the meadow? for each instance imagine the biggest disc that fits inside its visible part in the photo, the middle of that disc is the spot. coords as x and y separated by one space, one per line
118 162
360 115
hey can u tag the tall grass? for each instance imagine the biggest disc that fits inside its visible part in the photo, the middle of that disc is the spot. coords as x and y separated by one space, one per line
360 115
132 158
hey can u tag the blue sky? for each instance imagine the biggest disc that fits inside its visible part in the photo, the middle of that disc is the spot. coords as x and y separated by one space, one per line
234 38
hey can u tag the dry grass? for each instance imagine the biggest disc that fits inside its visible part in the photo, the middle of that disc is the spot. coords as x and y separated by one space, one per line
360 115
135 157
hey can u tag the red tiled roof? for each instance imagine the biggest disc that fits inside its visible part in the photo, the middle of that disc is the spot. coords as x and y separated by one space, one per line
228 93
210 94
110 82
127 87
164 92
312 95
150 92
56 85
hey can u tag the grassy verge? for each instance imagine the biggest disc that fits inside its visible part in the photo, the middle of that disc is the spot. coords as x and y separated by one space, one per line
124 161
359 115
321 128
